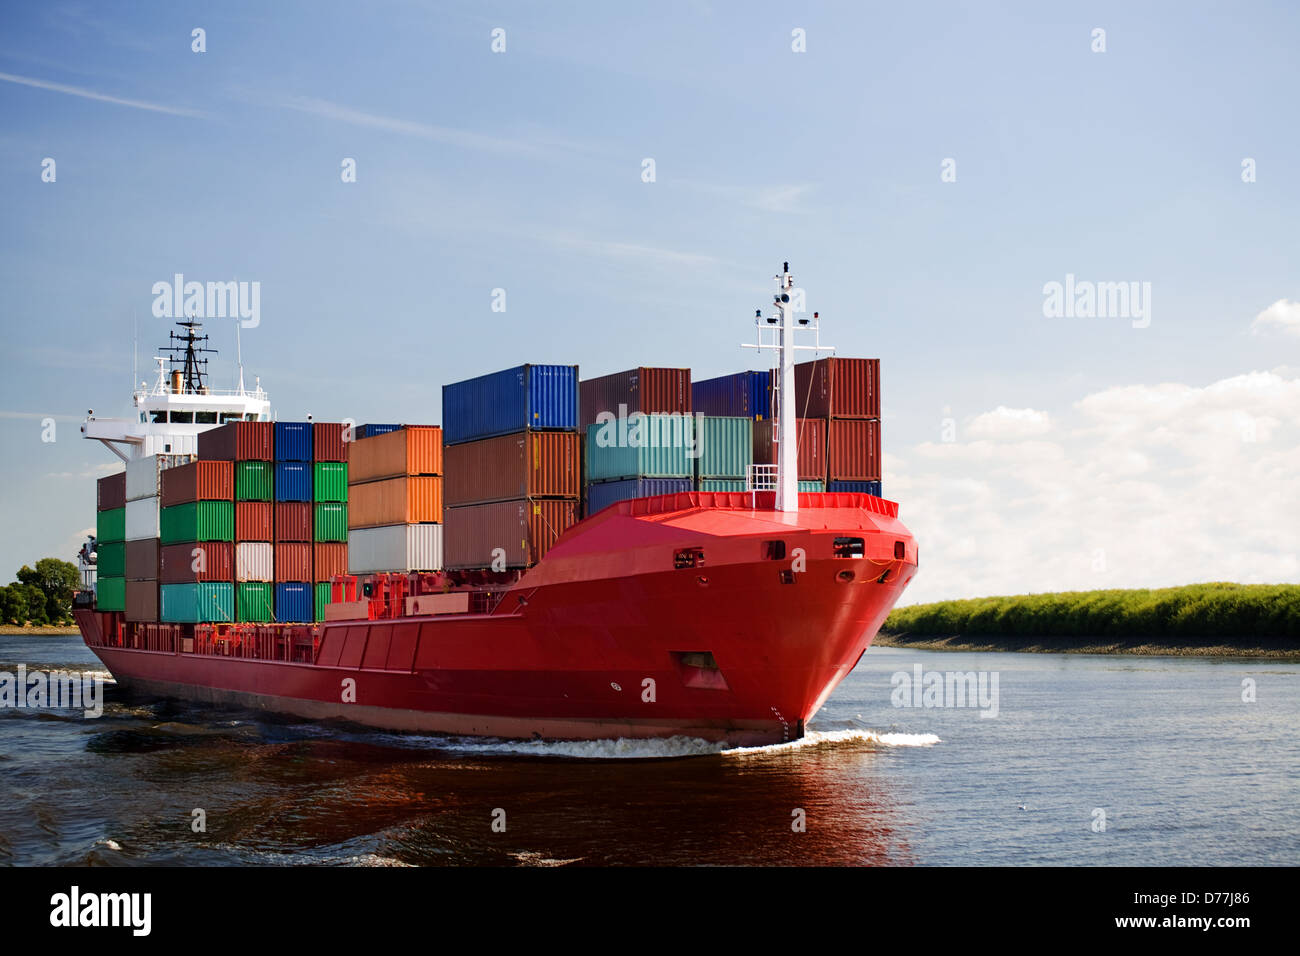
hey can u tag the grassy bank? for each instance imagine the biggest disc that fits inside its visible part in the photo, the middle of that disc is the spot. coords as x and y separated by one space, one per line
1219 619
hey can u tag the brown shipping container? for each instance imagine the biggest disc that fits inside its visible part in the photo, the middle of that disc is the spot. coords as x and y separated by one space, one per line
525 465
142 600
110 492
412 450
198 481
237 441
253 521
838 388
525 529
854 451
176 562
412 500
327 442
640 389
329 559
811 437
292 561
142 559
293 521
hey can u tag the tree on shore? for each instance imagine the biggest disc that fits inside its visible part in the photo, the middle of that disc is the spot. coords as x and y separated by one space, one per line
41 595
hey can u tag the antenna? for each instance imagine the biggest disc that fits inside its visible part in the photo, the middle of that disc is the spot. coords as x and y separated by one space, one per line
239 357
190 345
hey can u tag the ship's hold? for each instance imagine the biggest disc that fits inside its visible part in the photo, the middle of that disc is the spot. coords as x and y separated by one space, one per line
140 600
255 561
810 436
292 441
602 494
143 475
725 446
142 560
253 521
745 394
529 464
295 602
854 453
293 481
368 431
527 396
254 481
413 450
197 602
327 441
293 521
110 593
255 602
642 446
330 481
293 561
329 558
857 487
513 534
402 547
198 481
330 522
406 500
196 561
838 388
111 558
110 492
197 521
141 519
237 441
637 390
110 525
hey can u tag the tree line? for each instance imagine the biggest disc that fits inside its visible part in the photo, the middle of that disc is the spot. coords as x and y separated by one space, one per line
41 595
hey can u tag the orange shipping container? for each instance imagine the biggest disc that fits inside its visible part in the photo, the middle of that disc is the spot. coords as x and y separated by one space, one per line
198 481
524 465
292 562
810 438
329 559
524 529
412 450
409 500
854 450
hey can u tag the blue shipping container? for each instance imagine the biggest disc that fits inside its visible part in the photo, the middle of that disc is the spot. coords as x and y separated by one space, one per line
295 603
602 494
293 441
366 431
501 403
858 487
293 481
744 395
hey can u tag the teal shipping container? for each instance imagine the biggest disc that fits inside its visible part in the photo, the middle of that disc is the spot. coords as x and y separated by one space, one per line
738 484
726 446
202 602
642 446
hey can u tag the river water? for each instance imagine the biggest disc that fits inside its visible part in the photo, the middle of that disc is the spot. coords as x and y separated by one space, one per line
1090 759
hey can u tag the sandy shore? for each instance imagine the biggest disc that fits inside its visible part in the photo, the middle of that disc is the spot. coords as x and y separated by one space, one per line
42 629
1084 645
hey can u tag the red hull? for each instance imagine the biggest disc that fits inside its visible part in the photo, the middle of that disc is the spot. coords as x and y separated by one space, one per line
621 631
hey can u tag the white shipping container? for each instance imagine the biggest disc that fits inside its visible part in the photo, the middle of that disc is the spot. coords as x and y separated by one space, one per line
395 547
142 519
142 479
254 561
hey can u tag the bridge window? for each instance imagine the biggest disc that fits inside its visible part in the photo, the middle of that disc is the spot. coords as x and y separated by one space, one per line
205 418
229 417
250 417
159 418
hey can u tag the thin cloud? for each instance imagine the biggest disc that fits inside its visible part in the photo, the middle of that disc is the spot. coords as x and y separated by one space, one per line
1283 316
95 95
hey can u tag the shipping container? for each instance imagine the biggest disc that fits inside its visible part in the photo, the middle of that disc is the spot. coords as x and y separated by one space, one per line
110 492
838 388
255 561
293 481
331 520
293 561
725 446
413 450
237 441
528 396
643 446
142 559
141 603
402 547
601 495
322 598
810 438
110 558
816 487
110 525
110 593
857 487
745 394
854 452
723 484
255 602
528 464
141 519
410 500
636 390
293 521
292 441
295 602
368 431
525 530
329 558
196 561
198 481
254 480
253 521
330 481
209 601
197 521
144 475
328 441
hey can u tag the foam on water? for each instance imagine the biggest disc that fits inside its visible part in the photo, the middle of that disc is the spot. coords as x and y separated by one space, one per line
816 739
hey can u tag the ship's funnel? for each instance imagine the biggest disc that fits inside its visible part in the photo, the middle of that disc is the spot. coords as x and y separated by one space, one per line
176 381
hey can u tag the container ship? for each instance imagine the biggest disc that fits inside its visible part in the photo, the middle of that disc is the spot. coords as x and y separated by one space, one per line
634 555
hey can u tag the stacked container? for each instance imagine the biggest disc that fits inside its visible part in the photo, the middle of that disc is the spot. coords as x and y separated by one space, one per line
394 510
110 543
630 453
844 393
330 493
724 451
143 487
637 390
810 439
292 446
744 394
248 448
196 562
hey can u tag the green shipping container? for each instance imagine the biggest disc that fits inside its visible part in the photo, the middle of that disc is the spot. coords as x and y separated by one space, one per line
205 601
722 484
110 593
254 480
812 486
255 602
198 521
110 525
646 446
331 522
726 447
110 558
322 598
330 481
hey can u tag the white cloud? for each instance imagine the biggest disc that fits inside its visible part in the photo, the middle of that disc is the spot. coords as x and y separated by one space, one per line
1007 423
1283 316
95 95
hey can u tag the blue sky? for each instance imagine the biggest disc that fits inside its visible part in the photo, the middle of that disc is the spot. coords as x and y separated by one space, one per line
522 170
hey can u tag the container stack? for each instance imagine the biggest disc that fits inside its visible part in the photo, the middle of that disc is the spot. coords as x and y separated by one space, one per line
394 510
247 447
143 485
196 558
844 393
636 390
744 395
513 465
725 452
330 510
110 543
292 444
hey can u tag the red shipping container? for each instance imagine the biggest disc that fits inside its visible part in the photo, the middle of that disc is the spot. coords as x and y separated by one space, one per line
327 441
253 521
142 559
237 441
525 465
203 561
329 559
141 600
198 481
838 388
524 529
640 389
854 451
810 435
293 521
292 562
110 492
